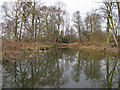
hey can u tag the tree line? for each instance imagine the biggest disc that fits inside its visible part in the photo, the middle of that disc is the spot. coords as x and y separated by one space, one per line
37 22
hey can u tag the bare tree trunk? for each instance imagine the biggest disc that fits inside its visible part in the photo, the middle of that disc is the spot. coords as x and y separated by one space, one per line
79 31
44 34
54 36
91 29
39 30
108 30
21 29
16 24
47 28
109 12
35 29
79 35
114 36
33 18
32 30
15 28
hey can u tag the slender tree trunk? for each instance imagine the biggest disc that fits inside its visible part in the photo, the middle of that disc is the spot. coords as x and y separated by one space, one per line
114 36
79 31
58 29
109 12
15 27
44 34
79 35
54 36
91 29
33 28
32 31
39 30
94 24
47 28
21 29
36 30
108 30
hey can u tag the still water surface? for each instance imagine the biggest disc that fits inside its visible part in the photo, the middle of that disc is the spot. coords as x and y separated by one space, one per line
63 68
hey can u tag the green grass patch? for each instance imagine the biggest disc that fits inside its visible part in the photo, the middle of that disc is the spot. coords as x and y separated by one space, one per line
47 47
20 49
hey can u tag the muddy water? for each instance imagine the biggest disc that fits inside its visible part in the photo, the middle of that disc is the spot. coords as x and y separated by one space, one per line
63 68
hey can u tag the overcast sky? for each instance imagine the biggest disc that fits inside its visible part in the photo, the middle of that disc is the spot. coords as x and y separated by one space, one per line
78 5
72 5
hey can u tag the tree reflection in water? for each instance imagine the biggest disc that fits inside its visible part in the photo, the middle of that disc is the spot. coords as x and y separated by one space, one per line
119 71
62 68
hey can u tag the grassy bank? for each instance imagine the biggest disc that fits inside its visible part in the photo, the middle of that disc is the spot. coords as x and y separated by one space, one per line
12 51
104 48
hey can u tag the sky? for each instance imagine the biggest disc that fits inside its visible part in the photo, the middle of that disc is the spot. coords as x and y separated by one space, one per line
72 5
83 6
78 5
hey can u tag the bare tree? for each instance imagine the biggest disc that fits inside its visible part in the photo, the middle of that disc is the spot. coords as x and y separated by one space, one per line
77 23
110 21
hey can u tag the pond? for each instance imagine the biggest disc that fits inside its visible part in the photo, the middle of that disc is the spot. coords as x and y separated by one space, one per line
63 68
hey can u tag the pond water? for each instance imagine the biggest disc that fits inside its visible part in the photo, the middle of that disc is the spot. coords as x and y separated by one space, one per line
63 68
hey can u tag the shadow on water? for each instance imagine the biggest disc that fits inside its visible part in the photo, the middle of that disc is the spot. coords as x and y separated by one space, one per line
64 68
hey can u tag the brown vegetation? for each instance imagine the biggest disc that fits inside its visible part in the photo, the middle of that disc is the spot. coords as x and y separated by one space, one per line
14 50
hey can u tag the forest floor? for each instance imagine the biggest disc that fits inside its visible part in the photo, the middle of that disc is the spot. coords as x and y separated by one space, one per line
12 51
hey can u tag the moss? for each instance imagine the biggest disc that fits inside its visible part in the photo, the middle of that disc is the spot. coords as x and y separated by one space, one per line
46 47
101 51
20 49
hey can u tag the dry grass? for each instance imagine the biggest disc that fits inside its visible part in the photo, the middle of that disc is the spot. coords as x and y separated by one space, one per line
13 46
14 50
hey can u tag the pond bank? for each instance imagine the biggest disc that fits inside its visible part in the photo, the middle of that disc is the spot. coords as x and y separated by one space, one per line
105 49
15 51
21 51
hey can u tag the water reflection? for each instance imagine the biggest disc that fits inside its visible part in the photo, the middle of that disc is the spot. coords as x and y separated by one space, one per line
63 68
119 71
